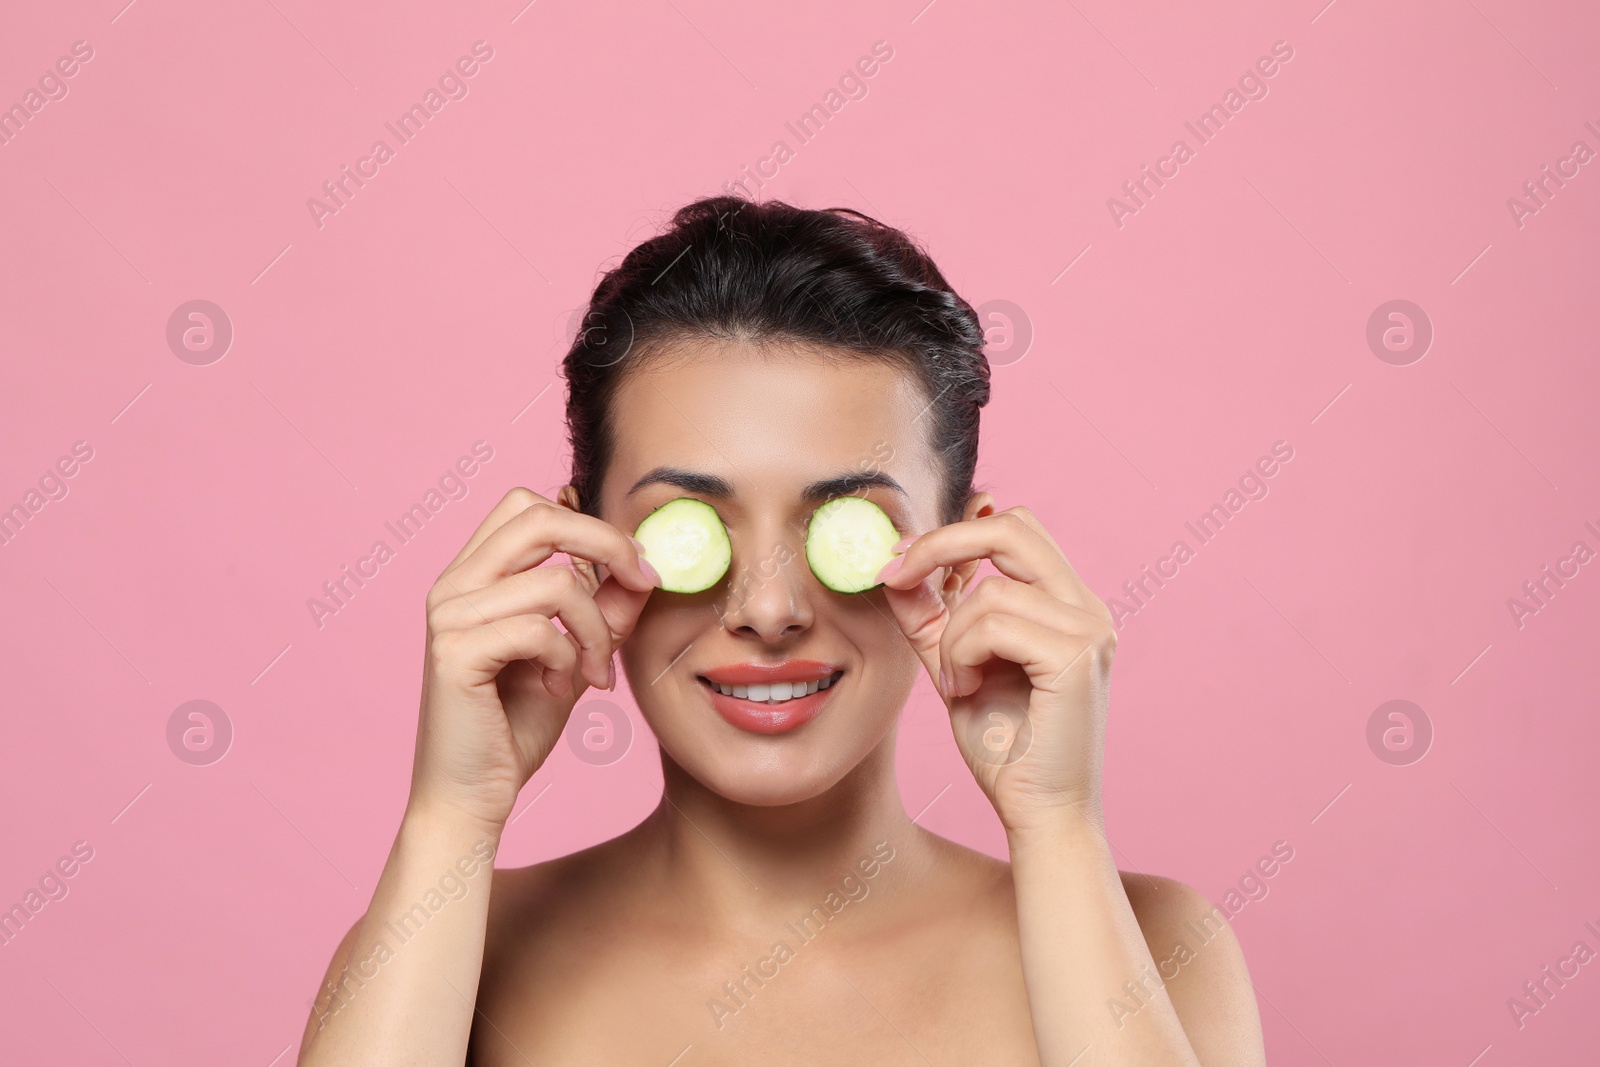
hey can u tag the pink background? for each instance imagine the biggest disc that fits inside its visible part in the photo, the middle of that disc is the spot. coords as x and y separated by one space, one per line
431 312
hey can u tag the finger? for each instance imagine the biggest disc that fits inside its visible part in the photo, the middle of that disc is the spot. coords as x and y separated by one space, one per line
1012 541
539 531
1046 655
516 500
998 595
476 656
552 591
1027 516
922 615
621 608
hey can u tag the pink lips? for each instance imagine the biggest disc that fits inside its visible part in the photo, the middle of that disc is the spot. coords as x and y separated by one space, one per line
759 717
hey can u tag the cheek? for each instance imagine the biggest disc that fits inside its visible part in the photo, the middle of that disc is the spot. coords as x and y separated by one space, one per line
890 666
657 621
879 640
668 625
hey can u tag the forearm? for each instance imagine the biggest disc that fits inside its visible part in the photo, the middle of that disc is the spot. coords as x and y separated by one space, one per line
1080 944
402 988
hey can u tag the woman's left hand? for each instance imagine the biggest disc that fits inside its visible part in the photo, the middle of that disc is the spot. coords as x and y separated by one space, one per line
1026 660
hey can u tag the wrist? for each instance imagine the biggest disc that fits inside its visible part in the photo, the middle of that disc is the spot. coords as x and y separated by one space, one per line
1071 824
441 821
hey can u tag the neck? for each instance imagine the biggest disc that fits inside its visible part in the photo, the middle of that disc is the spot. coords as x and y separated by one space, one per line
759 860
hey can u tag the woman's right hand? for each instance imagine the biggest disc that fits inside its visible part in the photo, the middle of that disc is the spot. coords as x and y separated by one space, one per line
499 678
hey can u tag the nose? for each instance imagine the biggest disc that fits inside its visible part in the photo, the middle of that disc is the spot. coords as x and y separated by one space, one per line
768 596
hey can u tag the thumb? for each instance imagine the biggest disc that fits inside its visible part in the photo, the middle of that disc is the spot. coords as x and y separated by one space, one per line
922 616
620 606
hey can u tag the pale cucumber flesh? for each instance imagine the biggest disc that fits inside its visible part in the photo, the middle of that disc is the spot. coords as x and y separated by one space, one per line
685 541
848 541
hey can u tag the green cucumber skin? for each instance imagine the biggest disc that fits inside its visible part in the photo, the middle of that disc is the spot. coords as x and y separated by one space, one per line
868 519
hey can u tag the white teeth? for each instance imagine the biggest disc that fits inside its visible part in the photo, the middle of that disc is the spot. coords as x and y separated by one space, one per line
777 692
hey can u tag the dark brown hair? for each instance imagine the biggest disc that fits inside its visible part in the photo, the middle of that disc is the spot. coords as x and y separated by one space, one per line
731 269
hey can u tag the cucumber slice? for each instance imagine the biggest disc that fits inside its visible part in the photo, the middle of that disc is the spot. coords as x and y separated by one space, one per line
848 541
685 541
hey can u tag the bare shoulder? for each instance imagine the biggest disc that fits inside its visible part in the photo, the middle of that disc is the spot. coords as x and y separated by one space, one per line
1201 967
551 939
535 902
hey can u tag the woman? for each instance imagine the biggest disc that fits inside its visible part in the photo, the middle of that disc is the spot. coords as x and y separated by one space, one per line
778 905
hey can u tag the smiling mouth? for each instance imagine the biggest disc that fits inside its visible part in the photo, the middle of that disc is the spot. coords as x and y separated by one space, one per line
774 694
770 707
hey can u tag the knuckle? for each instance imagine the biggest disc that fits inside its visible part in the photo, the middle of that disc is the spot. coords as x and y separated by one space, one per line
597 639
557 585
537 628
1019 516
563 654
535 514
440 607
447 649
564 579
521 495
992 625
530 640
992 588
1099 637
515 644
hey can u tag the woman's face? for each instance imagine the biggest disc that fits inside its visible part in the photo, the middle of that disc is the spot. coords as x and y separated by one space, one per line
753 429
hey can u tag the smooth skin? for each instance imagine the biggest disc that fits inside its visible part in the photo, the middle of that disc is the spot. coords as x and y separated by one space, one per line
661 946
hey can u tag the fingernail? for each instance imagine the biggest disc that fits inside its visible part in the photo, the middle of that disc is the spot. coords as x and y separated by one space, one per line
649 571
611 675
902 544
889 568
944 683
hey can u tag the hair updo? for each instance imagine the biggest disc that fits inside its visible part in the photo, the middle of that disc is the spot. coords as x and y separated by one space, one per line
731 269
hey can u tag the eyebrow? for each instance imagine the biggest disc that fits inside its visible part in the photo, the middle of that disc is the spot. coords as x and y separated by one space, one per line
721 489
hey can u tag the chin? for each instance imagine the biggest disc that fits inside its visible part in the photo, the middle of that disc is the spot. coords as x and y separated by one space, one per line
762 789
763 771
